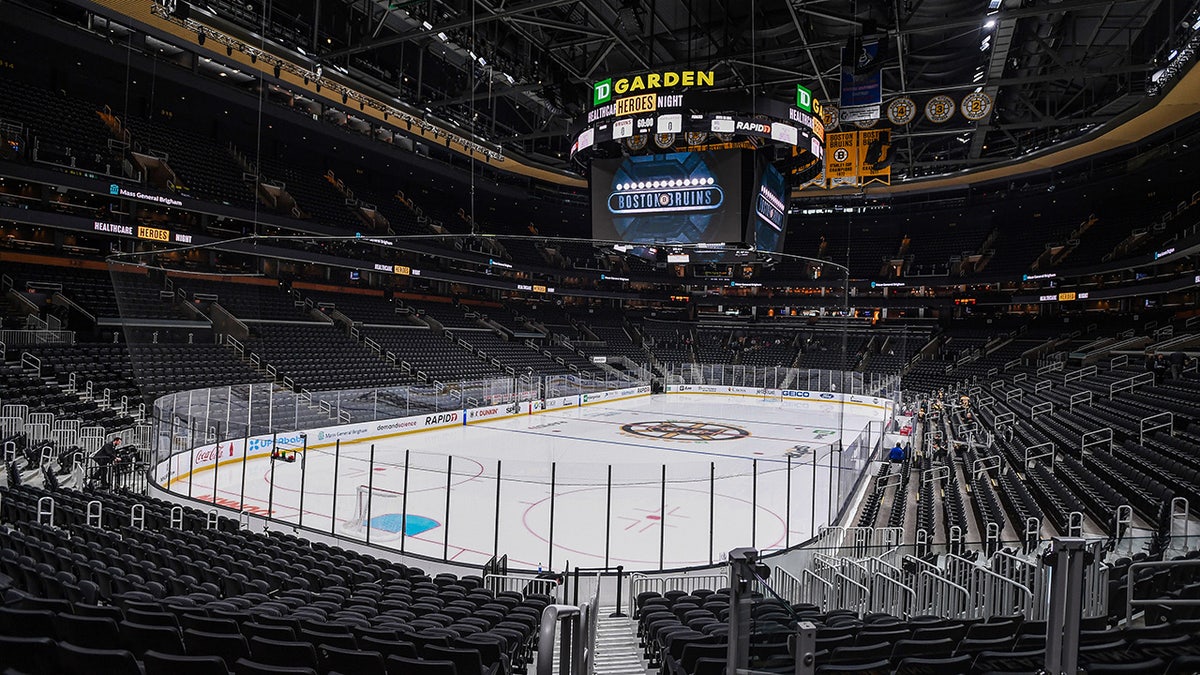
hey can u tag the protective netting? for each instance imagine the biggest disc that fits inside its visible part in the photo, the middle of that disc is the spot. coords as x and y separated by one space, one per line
292 391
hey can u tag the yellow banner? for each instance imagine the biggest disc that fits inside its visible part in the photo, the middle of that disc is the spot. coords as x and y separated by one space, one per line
873 146
841 158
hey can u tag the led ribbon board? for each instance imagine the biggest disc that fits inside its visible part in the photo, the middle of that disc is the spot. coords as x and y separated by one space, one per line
632 109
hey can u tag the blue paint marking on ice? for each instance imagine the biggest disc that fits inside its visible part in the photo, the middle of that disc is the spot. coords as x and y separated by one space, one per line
394 522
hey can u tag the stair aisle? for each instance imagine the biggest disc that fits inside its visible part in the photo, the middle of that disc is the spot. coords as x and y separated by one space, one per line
617 651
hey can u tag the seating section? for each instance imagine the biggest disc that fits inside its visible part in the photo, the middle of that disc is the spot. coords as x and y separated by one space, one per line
99 292
159 599
247 301
399 216
571 357
768 350
367 309
106 366
669 342
685 633
322 357
446 314
201 170
20 387
824 350
616 342
437 356
62 129
315 196
165 368
512 353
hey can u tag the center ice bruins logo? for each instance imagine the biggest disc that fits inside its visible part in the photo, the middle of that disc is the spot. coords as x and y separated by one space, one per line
685 431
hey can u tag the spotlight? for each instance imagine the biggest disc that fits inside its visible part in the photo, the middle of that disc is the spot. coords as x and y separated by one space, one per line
253 57
229 50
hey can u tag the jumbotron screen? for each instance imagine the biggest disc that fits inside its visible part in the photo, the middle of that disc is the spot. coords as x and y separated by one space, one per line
675 198
770 211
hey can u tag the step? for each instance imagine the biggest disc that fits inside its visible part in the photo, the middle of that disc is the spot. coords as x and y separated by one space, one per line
617 651
619 658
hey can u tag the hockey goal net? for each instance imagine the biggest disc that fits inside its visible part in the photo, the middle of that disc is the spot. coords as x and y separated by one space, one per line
373 504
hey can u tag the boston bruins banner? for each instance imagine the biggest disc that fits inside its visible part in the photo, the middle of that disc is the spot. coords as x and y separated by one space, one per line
841 158
854 158
874 156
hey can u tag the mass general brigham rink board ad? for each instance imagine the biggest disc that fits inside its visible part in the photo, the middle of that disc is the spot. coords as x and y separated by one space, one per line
607 478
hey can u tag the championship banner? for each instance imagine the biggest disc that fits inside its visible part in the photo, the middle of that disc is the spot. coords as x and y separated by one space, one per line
807 175
841 158
874 146
816 181
862 83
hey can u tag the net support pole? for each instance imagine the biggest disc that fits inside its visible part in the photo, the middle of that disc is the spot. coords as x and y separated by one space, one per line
371 491
712 499
191 453
608 516
446 525
812 512
404 503
787 519
216 468
337 458
496 528
662 520
303 475
834 482
550 539
245 458
271 492
753 503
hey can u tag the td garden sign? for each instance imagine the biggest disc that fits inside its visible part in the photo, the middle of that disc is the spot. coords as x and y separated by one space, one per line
603 91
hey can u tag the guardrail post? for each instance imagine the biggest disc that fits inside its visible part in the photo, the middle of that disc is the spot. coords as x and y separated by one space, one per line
1066 558
806 647
620 584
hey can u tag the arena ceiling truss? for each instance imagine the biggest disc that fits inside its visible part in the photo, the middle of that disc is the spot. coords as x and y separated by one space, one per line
518 72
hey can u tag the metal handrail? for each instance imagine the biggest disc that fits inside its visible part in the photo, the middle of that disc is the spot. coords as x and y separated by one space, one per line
1131 585
570 640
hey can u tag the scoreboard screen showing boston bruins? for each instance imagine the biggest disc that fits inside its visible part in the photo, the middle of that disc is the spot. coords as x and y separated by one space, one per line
672 198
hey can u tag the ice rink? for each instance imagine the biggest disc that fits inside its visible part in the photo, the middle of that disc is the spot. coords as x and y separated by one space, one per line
668 481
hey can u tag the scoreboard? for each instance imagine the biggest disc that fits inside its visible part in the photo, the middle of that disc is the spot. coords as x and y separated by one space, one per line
690 198
653 115
675 162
